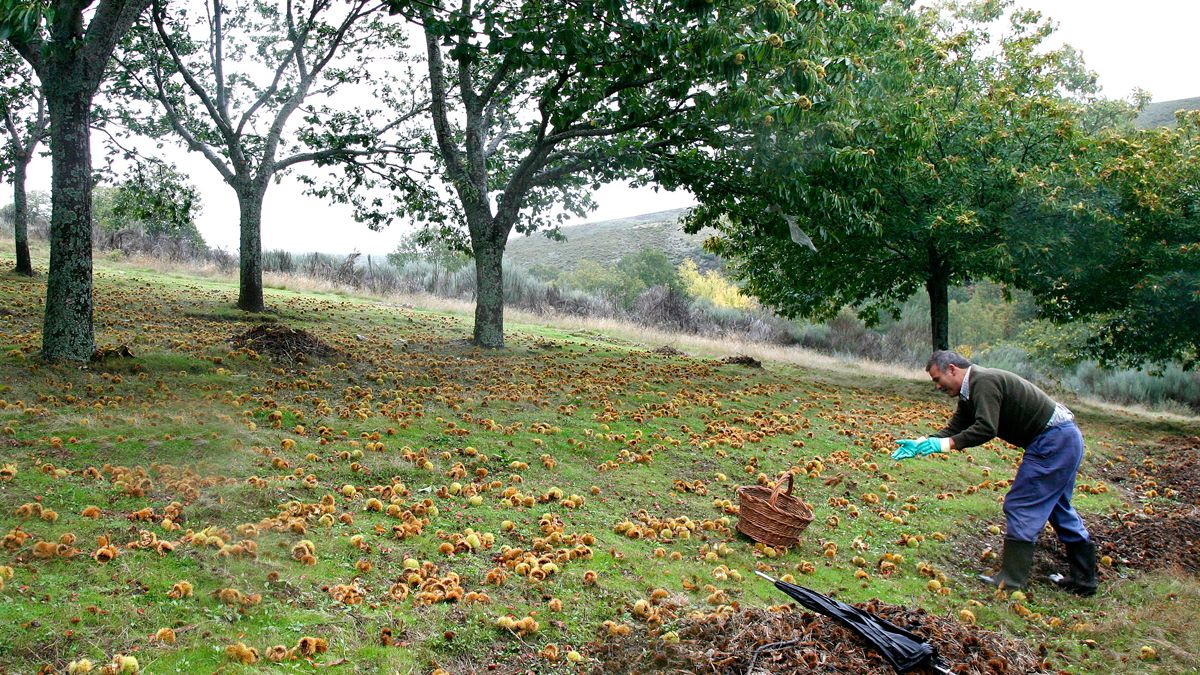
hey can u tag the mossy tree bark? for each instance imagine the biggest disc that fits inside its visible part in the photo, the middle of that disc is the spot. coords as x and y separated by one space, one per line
67 332
21 221
489 294
935 192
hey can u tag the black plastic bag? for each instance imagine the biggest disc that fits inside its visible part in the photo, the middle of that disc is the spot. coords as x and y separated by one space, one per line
904 650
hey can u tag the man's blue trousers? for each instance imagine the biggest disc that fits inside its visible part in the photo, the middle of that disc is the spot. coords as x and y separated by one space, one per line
1042 490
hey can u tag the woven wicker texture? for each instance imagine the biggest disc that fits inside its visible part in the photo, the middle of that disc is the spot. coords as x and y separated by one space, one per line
772 516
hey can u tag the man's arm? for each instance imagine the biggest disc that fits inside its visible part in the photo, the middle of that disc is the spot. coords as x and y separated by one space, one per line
967 430
938 442
962 418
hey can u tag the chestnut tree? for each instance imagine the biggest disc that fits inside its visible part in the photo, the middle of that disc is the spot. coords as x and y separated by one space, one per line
260 88
534 104
920 184
69 52
23 107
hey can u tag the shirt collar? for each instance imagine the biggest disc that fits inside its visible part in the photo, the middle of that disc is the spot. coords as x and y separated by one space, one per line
964 392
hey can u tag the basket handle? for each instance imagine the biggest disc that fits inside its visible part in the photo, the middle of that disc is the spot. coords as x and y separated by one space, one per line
778 485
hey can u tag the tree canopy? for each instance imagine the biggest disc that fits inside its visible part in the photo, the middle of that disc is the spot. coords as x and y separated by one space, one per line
650 267
1116 244
417 247
533 105
154 199
915 186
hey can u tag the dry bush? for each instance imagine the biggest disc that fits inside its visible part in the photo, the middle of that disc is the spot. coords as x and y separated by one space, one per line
665 308
132 241
907 343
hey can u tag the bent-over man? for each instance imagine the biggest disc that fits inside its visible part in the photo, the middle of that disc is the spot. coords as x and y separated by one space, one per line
996 403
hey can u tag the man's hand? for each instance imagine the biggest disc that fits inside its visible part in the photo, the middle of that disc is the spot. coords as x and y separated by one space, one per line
907 449
921 446
929 446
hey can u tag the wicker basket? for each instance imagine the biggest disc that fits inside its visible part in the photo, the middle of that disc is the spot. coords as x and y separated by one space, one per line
770 516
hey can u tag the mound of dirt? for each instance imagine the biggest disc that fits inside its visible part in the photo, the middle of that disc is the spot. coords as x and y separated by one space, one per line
728 642
741 360
1049 556
667 350
117 352
281 342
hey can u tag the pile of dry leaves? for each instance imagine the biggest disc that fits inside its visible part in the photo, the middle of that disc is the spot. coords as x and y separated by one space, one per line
281 342
730 642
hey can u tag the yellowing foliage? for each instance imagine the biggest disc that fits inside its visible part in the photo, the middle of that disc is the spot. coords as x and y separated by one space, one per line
713 287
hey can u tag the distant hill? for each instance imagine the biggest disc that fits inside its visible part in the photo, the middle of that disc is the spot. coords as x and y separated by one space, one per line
607 241
1162 113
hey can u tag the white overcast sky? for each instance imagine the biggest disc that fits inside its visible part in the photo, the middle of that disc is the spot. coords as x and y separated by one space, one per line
1147 43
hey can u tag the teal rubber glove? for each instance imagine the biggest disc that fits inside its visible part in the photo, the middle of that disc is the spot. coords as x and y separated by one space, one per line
907 449
929 446
921 446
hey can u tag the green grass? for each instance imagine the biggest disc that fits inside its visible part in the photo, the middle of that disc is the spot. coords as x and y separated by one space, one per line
198 420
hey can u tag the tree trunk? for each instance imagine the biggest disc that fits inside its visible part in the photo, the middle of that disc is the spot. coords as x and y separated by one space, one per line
489 292
21 218
250 285
68 332
939 310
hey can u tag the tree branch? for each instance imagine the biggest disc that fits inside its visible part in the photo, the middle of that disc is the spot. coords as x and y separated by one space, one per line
543 102
11 125
216 51
175 120
344 153
438 104
213 109
41 124
109 24
307 76
31 51
284 62
489 89
550 176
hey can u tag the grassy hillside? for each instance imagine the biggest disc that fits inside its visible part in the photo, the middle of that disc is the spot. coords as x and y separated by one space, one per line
606 241
1162 113
409 503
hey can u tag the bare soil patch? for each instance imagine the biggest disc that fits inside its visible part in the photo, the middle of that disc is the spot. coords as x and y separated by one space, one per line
1165 532
978 552
1178 467
1153 542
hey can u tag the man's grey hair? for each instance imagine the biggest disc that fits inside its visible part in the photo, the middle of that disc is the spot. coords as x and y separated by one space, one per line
944 357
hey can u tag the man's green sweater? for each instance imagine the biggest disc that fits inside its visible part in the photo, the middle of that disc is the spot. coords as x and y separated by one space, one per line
1001 404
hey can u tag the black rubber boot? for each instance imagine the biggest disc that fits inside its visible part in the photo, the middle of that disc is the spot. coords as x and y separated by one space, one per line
1016 561
1081 558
